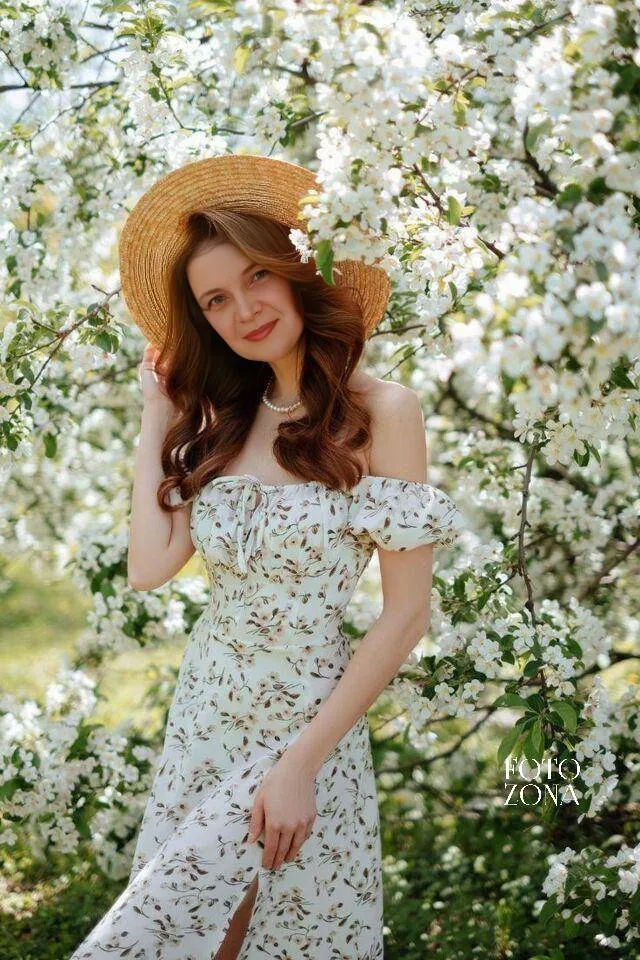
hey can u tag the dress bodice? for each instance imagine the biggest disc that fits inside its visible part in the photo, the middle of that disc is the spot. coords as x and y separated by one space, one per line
236 516
300 548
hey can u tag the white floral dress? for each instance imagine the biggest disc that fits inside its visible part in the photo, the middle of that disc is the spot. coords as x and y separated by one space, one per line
283 561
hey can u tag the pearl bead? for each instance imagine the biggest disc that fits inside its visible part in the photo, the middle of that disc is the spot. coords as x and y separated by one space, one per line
273 406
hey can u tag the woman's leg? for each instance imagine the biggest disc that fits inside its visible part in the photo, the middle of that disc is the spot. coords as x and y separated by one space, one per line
230 946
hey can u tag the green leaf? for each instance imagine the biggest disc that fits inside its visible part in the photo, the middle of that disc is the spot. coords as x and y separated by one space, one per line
510 700
548 910
535 703
574 648
567 713
601 271
324 260
490 183
606 910
532 668
570 196
537 737
507 744
105 341
535 132
459 587
619 376
50 445
240 58
533 746
528 750
26 370
9 787
582 459
598 190
556 954
595 326
80 821
372 29
453 211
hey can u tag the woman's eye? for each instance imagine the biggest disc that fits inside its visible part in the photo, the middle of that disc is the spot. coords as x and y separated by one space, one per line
209 302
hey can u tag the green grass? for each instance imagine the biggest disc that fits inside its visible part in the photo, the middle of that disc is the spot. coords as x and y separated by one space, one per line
39 627
39 624
45 915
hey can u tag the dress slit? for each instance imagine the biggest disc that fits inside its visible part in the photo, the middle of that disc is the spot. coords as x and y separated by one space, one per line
223 949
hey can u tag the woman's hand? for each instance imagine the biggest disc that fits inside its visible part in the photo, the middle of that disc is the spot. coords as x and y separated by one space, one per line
285 805
152 379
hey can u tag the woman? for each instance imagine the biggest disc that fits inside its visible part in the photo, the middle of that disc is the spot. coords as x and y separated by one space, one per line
265 448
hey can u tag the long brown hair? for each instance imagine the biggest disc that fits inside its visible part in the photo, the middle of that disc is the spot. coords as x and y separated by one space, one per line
217 392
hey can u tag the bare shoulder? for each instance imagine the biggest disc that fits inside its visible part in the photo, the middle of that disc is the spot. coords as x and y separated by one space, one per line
398 443
384 396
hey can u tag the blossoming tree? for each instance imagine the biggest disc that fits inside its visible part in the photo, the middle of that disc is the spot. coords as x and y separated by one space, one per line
486 154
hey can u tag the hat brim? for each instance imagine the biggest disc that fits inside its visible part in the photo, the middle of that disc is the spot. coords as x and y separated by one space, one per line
154 233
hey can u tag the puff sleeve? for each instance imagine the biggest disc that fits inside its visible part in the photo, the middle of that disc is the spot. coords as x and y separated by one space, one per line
400 514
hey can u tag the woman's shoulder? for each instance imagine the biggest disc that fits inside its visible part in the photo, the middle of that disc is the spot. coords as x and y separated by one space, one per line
378 395
389 404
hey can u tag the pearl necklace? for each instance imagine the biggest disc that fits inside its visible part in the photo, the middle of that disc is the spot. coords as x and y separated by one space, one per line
273 406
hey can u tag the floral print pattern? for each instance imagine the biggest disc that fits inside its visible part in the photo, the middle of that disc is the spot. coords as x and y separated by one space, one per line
283 561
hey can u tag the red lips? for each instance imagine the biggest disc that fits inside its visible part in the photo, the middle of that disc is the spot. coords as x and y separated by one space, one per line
262 331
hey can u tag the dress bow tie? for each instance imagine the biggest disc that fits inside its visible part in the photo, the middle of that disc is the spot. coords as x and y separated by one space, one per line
251 516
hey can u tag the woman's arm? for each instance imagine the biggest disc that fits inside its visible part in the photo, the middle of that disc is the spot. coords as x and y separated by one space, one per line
399 449
159 543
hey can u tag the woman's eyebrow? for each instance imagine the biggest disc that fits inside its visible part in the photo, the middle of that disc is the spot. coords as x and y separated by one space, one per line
213 289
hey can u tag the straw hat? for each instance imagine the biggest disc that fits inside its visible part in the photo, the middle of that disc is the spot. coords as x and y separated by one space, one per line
154 234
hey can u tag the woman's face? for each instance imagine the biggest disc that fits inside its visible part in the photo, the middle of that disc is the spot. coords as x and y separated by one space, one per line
237 296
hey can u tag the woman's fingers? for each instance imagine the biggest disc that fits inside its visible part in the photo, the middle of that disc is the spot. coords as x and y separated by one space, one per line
151 355
276 845
146 365
283 846
271 847
271 839
151 375
299 837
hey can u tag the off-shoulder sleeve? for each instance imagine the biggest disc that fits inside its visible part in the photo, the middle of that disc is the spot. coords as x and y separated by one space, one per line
401 514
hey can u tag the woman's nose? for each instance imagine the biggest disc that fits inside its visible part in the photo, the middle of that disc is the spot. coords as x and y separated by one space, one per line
247 310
